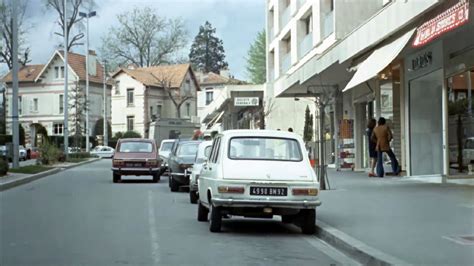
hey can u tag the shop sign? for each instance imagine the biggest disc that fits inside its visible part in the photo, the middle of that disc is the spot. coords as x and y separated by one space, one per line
246 101
422 61
450 19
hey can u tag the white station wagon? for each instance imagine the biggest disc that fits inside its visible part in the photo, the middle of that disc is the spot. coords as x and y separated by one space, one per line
258 173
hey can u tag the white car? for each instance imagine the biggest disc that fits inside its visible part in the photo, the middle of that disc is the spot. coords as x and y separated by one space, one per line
103 151
22 153
258 173
204 150
164 153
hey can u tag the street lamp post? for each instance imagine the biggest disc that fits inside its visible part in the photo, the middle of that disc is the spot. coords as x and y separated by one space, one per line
106 137
15 124
87 16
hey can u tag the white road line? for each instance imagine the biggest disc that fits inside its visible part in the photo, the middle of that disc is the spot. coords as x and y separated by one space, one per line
331 252
155 247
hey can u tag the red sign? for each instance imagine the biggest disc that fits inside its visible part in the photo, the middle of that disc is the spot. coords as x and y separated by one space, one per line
450 19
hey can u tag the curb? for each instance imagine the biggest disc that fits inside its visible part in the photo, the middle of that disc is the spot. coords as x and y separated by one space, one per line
354 248
31 178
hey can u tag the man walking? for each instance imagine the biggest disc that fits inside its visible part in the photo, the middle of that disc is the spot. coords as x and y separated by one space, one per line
382 136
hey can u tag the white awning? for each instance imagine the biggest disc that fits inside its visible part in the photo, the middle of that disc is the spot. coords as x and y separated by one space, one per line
378 60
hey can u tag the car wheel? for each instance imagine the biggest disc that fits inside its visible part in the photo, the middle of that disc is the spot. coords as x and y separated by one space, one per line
286 219
216 219
308 224
193 197
116 178
202 213
174 186
156 177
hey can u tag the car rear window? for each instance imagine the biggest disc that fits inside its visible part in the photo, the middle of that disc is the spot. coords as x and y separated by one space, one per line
189 149
166 146
264 148
136 147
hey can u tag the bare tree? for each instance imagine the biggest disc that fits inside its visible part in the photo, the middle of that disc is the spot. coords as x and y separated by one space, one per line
144 39
74 21
177 96
267 108
6 44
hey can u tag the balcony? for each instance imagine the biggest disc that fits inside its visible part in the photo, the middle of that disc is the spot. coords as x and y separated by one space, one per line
286 62
306 45
285 17
327 27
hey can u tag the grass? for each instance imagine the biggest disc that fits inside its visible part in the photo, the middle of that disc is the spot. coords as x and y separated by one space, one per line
76 160
30 169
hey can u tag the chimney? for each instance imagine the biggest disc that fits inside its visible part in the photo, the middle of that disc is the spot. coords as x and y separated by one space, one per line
225 73
92 63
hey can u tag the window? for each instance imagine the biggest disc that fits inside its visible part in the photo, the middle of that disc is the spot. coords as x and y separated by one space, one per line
61 103
58 128
188 109
215 155
130 121
308 22
20 102
35 105
136 146
59 72
209 97
151 112
117 87
188 150
158 111
272 149
187 86
129 97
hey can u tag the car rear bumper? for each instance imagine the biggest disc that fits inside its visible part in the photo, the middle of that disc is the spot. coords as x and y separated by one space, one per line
182 178
300 204
135 171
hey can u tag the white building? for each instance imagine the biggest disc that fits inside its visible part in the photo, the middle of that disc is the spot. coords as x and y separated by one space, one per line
41 94
374 58
139 96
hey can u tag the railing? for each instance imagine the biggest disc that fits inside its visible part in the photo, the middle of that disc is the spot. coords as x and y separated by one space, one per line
285 17
286 63
328 24
306 45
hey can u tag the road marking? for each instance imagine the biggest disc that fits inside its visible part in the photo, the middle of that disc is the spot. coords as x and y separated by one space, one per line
330 251
155 247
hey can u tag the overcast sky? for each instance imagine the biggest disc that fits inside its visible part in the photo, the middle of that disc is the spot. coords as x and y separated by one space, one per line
237 23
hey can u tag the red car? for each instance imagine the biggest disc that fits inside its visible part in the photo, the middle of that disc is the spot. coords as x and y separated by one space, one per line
136 157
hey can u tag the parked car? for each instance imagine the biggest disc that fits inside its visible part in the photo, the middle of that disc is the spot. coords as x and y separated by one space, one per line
204 150
3 151
258 173
164 153
136 157
103 152
181 158
22 154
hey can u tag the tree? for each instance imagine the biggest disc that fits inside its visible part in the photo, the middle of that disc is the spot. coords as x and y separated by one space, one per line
177 96
6 53
78 104
144 39
267 108
74 21
308 125
132 134
99 128
256 60
207 51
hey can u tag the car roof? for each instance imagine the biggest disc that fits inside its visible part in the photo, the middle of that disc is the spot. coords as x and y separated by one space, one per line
259 133
136 140
168 140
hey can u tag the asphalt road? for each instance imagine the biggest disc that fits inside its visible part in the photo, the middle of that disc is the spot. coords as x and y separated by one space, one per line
79 217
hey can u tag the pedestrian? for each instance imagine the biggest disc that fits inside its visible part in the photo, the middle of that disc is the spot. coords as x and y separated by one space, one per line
382 136
290 129
372 152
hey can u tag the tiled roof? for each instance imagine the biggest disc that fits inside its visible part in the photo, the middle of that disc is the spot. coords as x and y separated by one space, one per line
78 64
27 73
151 76
213 78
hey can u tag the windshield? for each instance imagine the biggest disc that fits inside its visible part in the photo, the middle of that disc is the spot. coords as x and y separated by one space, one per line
166 146
136 147
207 151
278 149
188 149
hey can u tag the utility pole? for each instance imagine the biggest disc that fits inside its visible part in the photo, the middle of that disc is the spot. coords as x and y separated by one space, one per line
87 16
322 166
15 125
106 137
66 98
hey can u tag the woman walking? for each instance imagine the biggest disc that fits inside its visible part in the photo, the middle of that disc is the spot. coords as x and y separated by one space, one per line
372 152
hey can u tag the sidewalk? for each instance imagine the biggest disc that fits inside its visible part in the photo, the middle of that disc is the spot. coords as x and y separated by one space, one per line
415 222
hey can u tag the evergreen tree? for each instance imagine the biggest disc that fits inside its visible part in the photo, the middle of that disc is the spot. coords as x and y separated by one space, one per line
256 60
207 51
308 125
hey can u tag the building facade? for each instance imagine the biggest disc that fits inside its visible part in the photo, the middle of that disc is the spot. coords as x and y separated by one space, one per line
41 95
139 96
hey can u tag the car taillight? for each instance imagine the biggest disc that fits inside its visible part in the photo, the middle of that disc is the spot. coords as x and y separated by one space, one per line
305 192
118 162
226 189
152 163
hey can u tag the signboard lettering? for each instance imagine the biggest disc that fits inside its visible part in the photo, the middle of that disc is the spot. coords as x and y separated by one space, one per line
422 61
246 101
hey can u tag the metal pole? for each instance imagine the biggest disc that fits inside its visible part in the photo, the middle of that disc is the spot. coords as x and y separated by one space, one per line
15 125
87 83
66 100
469 93
322 172
106 140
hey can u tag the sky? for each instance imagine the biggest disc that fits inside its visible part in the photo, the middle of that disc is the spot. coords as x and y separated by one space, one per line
237 23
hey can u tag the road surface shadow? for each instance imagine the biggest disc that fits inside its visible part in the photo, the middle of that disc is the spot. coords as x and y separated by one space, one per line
253 226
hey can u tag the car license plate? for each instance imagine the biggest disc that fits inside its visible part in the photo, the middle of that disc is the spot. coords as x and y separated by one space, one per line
134 165
269 191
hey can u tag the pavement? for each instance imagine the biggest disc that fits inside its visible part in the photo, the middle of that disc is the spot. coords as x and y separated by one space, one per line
416 222
79 217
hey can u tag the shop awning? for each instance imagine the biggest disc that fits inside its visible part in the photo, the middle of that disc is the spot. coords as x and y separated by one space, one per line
378 60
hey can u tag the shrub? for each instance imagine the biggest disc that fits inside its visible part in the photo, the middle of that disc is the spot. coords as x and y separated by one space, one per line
131 134
79 155
49 154
3 167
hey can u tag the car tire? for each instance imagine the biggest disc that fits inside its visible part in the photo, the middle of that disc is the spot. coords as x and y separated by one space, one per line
193 197
174 186
203 212
156 177
216 219
116 178
308 223
287 219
